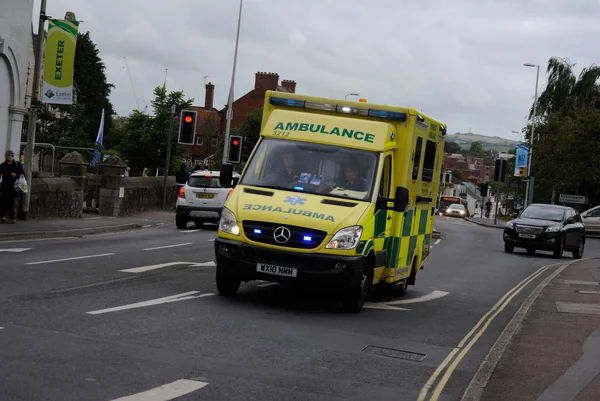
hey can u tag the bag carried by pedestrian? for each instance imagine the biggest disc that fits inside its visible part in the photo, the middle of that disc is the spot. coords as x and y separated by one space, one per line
21 185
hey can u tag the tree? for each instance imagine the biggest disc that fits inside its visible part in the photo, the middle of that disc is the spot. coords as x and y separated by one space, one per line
145 142
476 148
564 91
250 128
77 124
452 147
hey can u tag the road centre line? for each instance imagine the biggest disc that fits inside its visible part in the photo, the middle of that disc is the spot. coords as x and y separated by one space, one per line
67 259
172 298
484 323
167 246
166 392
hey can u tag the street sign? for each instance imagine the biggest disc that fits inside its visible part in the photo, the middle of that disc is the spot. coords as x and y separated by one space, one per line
565 198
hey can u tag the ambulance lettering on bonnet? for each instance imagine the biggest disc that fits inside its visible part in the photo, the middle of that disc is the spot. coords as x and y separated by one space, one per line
324 129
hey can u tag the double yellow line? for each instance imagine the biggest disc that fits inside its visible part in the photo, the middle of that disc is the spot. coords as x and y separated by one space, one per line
474 335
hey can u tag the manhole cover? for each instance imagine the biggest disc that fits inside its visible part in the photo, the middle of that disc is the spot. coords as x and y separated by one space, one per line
395 353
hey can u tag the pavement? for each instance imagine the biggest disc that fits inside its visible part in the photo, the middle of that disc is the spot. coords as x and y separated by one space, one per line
483 221
554 350
88 225
133 315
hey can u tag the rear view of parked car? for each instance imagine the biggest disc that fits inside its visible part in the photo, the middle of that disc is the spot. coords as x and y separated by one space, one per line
201 199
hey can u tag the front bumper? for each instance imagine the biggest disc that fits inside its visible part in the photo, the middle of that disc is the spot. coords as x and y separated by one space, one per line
241 260
544 241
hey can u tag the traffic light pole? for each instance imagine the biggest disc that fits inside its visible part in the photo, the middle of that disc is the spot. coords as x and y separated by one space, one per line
497 196
230 100
168 161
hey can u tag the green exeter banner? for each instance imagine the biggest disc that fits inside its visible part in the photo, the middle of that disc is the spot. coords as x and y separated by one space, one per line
59 61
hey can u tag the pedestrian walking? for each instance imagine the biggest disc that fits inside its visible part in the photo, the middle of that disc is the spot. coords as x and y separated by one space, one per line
182 176
10 171
488 208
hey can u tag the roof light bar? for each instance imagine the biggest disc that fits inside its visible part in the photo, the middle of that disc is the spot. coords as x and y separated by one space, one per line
384 114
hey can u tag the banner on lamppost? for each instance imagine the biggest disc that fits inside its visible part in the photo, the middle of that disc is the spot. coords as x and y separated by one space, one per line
59 61
521 158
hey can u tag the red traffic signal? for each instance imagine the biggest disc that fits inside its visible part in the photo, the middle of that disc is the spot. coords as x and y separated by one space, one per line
188 119
187 127
235 150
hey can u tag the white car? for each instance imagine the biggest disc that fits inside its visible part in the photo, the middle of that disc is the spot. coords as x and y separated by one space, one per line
201 199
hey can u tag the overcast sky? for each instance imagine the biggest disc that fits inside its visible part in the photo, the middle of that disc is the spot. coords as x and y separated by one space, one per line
460 61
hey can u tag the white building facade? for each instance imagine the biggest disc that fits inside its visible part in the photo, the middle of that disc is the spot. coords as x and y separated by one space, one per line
15 52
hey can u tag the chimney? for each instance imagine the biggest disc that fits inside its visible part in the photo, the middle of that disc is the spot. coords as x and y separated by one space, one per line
266 81
209 97
290 85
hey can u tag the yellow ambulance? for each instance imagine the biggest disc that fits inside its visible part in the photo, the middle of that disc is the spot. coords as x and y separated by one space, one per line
336 194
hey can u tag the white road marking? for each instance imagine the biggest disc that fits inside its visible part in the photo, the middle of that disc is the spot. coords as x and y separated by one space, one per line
589 292
67 259
1 328
14 250
266 285
147 225
390 305
167 246
437 241
383 305
161 265
167 392
211 240
172 298
190 231
423 298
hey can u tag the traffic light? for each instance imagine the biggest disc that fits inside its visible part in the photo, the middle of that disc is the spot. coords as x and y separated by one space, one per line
500 171
483 189
187 127
234 155
248 147
522 171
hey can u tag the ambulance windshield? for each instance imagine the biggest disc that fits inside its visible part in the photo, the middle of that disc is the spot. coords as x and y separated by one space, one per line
312 168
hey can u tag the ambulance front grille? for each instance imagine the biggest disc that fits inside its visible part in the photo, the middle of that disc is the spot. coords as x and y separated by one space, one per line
299 237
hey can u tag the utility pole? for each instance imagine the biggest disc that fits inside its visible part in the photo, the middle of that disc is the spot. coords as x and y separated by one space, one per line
35 104
497 196
168 160
230 100
529 187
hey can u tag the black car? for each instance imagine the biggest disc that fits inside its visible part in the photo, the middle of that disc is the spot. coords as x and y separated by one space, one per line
548 228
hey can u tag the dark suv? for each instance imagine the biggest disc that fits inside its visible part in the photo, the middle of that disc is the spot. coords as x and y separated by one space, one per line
548 228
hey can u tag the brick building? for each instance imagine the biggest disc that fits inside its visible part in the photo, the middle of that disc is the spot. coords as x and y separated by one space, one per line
211 123
263 81
469 167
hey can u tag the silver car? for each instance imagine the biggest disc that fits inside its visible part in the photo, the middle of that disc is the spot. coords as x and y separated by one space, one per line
456 210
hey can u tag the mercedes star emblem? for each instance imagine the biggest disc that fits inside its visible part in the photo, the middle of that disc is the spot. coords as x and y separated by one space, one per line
282 235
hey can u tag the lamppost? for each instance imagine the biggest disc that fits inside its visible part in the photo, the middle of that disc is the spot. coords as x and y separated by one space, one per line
530 180
229 115
520 133
350 94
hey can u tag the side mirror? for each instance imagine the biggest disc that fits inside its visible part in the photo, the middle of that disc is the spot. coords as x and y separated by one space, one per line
234 182
226 175
514 215
570 220
401 199
577 218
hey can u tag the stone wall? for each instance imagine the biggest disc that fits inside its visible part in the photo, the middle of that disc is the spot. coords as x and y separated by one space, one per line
138 194
60 197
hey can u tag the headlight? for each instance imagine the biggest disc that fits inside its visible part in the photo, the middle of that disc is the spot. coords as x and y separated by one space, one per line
227 223
553 229
510 224
346 238
462 212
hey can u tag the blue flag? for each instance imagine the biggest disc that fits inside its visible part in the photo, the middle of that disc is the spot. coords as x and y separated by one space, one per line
98 146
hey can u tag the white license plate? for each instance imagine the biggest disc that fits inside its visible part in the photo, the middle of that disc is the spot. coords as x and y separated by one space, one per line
276 270
530 236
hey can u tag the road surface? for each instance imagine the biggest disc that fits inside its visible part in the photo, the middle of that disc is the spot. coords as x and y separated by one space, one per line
134 315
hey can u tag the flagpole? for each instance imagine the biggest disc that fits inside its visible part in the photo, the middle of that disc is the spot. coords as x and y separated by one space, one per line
33 110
